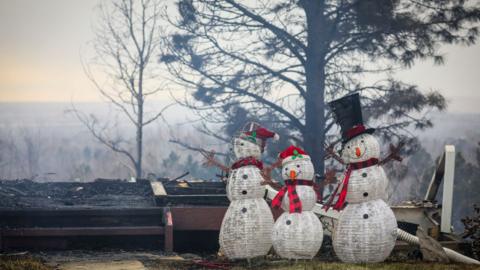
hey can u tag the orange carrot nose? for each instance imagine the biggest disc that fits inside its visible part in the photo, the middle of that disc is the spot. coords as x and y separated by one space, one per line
293 174
357 151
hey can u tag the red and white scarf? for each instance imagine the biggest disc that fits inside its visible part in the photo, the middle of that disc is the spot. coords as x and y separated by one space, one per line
290 188
341 203
246 162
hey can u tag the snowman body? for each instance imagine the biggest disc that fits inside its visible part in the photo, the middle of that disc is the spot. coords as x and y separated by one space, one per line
247 225
298 235
366 229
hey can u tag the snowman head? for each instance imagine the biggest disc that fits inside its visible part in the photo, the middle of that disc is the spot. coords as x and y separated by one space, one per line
251 140
361 148
296 164
245 148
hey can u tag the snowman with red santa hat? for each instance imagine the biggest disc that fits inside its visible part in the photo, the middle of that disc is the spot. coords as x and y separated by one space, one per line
366 229
297 233
247 225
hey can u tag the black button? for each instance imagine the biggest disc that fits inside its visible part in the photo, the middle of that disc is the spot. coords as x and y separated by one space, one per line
365 216
245 176
365 194
364 174
288 222
244 210
244 192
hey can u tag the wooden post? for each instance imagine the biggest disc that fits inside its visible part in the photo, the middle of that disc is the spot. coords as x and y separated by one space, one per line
167 219
1 242
448 180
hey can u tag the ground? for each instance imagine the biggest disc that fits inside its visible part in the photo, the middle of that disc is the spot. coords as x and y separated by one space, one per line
156 261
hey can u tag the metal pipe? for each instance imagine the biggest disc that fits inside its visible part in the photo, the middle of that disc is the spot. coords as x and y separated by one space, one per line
451 254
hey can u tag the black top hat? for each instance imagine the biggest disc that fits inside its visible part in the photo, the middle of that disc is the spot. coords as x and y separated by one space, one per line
348 114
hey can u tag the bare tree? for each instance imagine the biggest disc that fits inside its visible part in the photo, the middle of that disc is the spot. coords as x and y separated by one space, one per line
125 71
281 61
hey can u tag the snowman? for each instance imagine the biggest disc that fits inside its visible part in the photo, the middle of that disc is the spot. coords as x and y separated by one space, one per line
247 225
297 233
366 228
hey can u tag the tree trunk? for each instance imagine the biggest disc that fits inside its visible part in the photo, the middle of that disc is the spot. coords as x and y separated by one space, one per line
314 133
140 97
139 139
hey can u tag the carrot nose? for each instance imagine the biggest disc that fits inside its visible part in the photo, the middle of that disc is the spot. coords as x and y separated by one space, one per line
357 151
293 174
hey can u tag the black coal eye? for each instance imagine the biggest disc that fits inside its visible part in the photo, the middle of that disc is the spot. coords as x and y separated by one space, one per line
241 144
348 147
362 141
286 169
298 166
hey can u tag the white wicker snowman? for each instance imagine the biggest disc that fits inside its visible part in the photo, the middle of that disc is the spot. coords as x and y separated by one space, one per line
297 233
366 228
247 224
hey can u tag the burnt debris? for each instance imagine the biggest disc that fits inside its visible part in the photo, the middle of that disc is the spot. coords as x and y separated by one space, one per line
21 194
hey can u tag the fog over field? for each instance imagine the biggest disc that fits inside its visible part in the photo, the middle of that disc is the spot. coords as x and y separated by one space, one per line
46 141
52 125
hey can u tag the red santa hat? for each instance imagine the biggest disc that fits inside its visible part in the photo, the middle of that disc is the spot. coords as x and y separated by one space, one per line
257 134
293 153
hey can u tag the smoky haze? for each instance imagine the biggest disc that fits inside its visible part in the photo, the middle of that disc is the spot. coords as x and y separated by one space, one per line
41 77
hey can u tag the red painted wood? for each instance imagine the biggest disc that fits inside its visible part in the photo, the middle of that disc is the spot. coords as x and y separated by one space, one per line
202 218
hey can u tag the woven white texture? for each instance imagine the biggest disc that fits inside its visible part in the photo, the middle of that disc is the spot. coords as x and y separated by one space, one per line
365 232
307 196
367 184
297 235
303 168
246 229
245 183
243 148
367 145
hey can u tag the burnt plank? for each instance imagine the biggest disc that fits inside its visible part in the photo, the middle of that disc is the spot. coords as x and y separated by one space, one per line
82 231
81 217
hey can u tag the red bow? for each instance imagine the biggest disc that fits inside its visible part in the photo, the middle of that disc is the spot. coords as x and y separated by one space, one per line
246 162
340 204
290 187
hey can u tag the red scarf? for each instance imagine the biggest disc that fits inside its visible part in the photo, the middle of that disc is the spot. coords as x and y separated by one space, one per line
290 187
246 162
340 204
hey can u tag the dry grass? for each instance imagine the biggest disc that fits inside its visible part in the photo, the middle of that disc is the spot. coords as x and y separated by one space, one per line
318 265
30 263
22 263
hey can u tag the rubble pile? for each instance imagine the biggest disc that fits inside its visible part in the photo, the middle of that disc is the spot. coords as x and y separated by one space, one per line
101 193
472 231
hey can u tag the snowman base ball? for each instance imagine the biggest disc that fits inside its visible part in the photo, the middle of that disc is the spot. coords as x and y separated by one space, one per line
297 235
365 232
246 229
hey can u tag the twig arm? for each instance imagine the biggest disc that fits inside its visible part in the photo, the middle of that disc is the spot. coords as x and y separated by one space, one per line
211 161
330 153
267 174
394 153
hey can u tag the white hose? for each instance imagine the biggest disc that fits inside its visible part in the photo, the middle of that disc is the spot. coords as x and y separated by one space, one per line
401 234
452 255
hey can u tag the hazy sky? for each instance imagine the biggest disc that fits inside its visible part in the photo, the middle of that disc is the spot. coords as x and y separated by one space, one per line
41 42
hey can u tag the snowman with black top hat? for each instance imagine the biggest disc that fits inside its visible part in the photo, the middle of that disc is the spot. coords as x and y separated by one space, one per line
366 228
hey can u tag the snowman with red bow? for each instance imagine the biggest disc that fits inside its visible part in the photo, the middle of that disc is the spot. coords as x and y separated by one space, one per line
366 229
247 225
297 233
